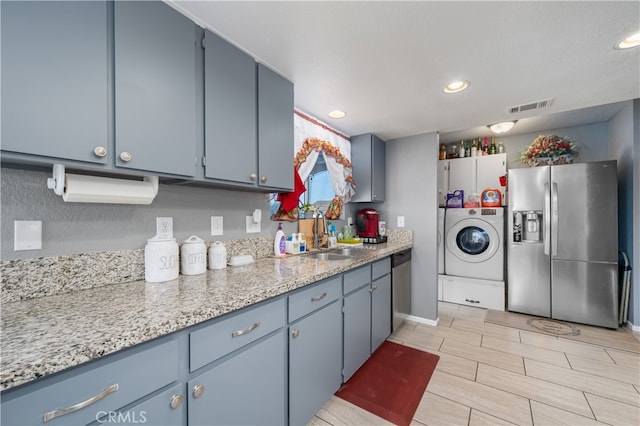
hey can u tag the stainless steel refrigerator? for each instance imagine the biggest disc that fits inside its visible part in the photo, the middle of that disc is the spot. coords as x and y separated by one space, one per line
562 242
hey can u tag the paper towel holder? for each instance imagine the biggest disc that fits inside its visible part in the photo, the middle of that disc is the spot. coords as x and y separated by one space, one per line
148 186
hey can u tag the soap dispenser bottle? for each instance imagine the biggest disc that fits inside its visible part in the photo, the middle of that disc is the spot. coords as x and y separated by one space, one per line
279 245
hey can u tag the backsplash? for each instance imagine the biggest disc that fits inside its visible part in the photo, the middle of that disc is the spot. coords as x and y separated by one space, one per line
46 276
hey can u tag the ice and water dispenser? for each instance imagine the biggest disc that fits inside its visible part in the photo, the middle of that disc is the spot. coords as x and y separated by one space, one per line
527 226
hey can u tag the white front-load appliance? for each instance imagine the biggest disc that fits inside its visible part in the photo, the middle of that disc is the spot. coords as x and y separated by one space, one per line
474 243
441 214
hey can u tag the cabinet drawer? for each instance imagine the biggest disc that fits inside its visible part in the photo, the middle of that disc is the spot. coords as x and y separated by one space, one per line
111 385
468 291
308 300
216 340
357 278
380 268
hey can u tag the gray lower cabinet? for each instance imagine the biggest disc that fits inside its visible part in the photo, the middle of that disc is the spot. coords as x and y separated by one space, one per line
54 79
357 330
315 348
248 388
380 311
155 88
91 392
368 156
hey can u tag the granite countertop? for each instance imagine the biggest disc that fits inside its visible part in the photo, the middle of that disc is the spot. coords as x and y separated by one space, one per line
46 335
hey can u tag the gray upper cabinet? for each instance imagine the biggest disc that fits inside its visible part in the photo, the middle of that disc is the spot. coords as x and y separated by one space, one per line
155 88
368 160
275 130
230 112
54 80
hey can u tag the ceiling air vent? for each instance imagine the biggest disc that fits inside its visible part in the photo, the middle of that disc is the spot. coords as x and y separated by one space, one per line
546 103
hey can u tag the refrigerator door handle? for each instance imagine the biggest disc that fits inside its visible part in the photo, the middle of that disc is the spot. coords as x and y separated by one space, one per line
547 219
554 218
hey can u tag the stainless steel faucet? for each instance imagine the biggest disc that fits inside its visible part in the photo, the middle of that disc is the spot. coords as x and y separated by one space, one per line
317 238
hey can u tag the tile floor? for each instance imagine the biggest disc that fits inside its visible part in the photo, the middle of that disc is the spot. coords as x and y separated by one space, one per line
492 374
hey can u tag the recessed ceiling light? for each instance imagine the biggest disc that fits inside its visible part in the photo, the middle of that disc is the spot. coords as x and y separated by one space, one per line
456 86
503 127
631 41
337 114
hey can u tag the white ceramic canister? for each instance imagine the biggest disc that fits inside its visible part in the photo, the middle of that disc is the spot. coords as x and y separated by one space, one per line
161 259
193 256
217 255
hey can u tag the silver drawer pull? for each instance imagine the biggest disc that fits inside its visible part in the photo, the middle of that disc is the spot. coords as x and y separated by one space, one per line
472 301
176 401
245 331
79 406
319 298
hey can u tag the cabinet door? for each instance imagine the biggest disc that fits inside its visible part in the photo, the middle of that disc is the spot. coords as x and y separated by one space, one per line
230 112
462 175
357 331
380 311
54 79
378 169
275 130
155 99
443 182
246 389
488 171
315 362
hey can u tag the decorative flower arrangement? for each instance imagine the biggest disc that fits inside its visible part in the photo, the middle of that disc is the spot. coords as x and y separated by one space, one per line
549 149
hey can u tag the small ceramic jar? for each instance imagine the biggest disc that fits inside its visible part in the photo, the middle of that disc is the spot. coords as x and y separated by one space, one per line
161 259
217 256
193 256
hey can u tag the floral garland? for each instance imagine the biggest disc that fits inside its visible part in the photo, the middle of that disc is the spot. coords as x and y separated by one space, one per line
318 145
549 146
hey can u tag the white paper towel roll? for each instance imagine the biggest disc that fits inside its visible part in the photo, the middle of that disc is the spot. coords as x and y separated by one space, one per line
94 189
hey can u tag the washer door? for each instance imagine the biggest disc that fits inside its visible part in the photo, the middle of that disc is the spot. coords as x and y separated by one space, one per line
473 240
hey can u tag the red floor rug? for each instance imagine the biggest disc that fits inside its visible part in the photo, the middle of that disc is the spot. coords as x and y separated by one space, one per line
391 383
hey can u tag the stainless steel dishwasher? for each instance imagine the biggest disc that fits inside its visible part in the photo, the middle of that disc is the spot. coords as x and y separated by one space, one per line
400 286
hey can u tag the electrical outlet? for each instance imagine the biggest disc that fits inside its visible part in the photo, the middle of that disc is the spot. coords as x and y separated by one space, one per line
27 235
164 226
252 227
216 226
400 221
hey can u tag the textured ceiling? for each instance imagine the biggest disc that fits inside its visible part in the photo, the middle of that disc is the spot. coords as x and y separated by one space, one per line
385 62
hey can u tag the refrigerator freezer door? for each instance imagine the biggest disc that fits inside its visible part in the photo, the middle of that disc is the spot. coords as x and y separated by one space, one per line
585 224
529 269
583 292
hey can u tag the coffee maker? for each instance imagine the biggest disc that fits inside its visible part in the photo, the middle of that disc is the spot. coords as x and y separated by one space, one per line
367 224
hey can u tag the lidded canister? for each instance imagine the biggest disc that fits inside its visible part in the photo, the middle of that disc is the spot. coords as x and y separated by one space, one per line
193 256
161 259
217 255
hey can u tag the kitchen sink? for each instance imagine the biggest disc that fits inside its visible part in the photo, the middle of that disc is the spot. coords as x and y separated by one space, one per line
336 254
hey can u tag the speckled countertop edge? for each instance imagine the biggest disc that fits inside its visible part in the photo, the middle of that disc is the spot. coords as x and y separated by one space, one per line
49 334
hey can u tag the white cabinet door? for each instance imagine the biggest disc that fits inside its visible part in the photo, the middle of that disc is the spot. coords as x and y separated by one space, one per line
488 172
443 182
462 175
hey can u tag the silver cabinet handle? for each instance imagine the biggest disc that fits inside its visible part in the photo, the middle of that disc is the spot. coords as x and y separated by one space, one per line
472 301
246 330
198 390
319 298
176 401
295 333
373 288
100 151
79 406
253 176
125 156
263 179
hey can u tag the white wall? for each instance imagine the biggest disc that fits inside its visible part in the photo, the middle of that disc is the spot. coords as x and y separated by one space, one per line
411 191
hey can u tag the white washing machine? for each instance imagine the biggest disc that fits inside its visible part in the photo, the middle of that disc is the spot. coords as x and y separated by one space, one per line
441 213
474 243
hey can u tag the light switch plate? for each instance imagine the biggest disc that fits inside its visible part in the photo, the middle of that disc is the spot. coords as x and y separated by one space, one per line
216 225
27 235
400 221
252 227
